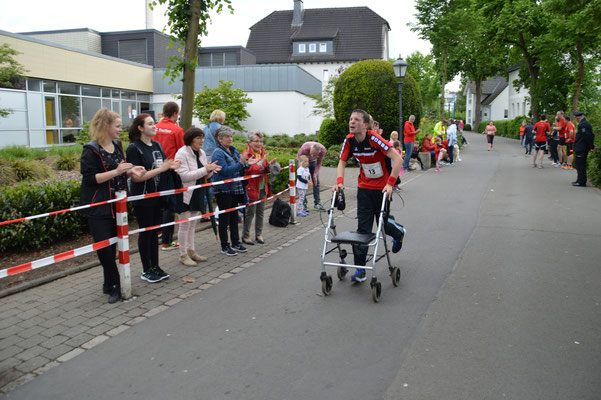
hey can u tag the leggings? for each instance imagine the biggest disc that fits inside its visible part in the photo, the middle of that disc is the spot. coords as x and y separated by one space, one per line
229 220
148 242
185 233
102 229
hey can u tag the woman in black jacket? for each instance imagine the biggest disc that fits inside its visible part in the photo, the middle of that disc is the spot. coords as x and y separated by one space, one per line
104 172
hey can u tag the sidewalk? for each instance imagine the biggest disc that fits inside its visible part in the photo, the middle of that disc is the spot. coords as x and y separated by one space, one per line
53 323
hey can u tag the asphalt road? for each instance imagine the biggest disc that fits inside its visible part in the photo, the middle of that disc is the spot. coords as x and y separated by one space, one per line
499 299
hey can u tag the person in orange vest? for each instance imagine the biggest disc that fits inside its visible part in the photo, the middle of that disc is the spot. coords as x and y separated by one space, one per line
171 138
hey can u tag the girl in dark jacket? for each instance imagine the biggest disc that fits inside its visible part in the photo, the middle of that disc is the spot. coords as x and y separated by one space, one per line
149 154
104 172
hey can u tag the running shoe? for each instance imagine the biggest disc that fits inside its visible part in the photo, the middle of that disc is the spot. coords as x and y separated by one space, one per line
238 248
438 170
541 166
228 251
359 276
397 244
162 274
151 276
170 246
318 207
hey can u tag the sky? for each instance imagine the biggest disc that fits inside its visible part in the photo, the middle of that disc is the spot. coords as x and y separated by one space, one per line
225 29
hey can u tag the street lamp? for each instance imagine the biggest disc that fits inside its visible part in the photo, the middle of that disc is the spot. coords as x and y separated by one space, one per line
400 69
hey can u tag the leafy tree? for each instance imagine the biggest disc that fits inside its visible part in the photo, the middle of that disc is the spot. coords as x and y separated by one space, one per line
324 105
187 20
223 97
437 22
371 85
423 69
10 69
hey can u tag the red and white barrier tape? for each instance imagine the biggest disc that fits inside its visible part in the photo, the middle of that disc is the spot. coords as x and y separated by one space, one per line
43 262
132 198
56 258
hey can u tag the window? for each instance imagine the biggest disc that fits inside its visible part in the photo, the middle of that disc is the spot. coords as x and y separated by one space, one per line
217 59
34 85
89 108
312 47
68 88
204 60
231 58
69 111
49 87
106 92
90 91
301 48
323 47
506 113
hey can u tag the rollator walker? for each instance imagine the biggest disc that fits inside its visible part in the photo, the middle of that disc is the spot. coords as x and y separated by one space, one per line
335 242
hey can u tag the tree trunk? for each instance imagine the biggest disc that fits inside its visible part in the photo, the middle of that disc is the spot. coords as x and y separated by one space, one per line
190 62
533 70
477 104
579 77
444 82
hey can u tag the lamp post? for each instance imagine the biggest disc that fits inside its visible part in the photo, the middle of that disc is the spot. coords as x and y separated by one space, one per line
400 69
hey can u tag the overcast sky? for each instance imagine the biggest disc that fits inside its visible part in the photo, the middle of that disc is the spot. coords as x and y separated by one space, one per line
225 30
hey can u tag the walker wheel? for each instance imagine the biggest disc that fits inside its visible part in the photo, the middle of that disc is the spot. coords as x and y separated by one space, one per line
326 285
396 276
341 272
376 291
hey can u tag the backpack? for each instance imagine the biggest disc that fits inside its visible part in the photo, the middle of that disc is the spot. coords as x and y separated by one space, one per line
280 214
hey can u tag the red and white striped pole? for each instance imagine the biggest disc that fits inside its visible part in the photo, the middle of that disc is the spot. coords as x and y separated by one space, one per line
292 183
123 244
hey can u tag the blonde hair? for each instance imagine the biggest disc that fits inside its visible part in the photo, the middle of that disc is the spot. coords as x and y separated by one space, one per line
102 120
302 159
217 116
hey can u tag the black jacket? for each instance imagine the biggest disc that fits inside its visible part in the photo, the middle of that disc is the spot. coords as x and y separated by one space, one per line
584 137
92 191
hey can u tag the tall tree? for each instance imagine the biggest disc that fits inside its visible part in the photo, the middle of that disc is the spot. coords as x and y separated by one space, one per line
10 69
423 69
518 25
437 22
188 21
576 33
479 55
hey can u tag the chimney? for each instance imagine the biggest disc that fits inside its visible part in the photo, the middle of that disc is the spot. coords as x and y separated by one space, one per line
149 20
297 15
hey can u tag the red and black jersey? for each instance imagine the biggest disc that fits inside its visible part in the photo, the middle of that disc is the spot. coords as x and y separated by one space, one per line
371 155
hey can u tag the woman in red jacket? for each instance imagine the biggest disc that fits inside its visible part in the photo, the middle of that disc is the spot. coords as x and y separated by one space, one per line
257 188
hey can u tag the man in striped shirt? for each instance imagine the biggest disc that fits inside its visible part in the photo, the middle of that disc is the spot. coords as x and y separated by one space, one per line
370 150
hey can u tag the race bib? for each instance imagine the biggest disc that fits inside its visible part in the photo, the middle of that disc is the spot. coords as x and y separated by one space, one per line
372 171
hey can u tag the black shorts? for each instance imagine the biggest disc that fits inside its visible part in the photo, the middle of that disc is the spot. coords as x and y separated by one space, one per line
569 147
562 141
540 145
490 138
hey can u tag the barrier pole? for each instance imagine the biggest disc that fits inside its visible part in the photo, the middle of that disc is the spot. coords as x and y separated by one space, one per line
292 183
123 244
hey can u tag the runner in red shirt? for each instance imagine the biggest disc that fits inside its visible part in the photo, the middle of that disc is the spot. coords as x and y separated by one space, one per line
542 128
370 150
171 138
570 135
562 125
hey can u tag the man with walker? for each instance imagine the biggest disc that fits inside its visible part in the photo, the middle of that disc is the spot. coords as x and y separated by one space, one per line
370 150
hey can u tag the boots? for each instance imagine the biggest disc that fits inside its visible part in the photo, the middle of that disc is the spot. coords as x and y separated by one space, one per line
114 293
195 256
187 261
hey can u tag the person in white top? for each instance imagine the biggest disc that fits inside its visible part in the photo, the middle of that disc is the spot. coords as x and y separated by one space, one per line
303 177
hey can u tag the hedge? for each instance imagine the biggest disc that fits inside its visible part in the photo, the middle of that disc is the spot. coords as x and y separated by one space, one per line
371 85
26 199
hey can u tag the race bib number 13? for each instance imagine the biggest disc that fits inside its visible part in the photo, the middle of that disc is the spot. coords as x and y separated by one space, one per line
372 171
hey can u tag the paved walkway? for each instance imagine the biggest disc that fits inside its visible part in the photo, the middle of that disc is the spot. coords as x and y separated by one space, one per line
50 324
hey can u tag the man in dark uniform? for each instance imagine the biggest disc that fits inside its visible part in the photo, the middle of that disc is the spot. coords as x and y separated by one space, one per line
583 143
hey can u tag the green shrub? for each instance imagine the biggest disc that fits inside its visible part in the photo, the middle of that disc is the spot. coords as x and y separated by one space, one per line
72 150
67 162
371 85
467 127
26 199
329 133
7 173
506 128
31 170
14 153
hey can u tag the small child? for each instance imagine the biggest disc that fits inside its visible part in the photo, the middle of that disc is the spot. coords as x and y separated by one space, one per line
397 146
303 176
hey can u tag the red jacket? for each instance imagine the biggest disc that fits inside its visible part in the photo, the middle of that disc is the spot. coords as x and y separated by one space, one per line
170 136
253 187
428 146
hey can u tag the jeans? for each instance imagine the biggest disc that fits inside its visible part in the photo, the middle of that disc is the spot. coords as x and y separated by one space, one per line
229 220
451 150
257 210
148 242
102 229
408 152
528 144
369 203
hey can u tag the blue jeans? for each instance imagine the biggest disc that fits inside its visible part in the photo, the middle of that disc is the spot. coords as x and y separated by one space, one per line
451 149
408 152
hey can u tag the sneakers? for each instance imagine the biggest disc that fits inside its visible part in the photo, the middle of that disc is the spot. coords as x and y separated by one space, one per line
187 261
397 244
114 294
533 165
238 248
154 275
318 207
170 246
359 276
438 170
228 251
541 166
302 213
